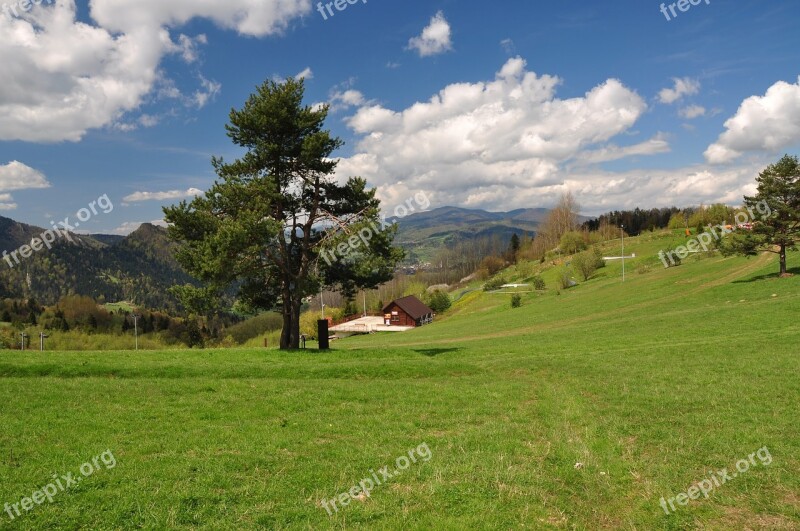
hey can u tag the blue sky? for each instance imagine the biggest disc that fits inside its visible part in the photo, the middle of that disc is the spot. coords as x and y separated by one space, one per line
476 104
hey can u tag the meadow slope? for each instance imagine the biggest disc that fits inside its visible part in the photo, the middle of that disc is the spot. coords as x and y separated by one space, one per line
579 410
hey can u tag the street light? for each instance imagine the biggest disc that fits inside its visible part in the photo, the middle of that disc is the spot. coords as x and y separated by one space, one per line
136 329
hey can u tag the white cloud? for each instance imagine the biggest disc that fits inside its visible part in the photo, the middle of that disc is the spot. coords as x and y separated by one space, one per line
496 143
655 145
18 176
508 45
162 196
346 99
762 123
307 73
435 38
682 87
63 77
187 47
692 111
6 202
209 91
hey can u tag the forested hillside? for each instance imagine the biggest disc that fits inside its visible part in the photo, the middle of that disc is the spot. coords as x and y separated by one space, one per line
138 268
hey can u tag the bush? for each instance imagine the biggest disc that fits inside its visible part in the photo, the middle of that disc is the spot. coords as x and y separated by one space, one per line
572 242
492 264
565 277
516 300
439 301
598 258
586 263
493 284
254 327
671 258
538 283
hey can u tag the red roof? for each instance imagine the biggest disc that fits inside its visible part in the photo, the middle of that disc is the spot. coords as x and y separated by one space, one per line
415 308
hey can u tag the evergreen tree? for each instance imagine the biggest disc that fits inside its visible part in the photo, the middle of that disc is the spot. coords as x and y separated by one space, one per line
274 214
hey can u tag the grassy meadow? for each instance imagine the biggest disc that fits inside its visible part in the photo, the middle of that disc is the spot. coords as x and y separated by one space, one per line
579 410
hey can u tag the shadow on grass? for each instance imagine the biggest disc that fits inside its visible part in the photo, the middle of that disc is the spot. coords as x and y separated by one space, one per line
768 276
432 352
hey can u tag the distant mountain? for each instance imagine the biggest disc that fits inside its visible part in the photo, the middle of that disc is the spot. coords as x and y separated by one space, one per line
139 267
424 233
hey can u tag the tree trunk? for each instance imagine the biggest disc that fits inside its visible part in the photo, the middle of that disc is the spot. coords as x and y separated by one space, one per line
290 333
783 259
287 323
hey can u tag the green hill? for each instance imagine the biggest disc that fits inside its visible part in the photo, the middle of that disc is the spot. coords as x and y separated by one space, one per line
581 409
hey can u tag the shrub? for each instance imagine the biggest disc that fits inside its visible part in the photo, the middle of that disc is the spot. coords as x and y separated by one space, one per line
516 300
671 258
565 277
439 301
254 327
538 283
598 257
493 264
572 242
494 283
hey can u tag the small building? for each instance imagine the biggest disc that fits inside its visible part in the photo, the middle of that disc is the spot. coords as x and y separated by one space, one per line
408 311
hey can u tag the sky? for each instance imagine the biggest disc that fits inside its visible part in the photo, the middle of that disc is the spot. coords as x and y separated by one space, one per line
477 104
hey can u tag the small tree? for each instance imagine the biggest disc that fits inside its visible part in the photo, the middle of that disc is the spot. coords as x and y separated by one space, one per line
538 283
513 248
516 300
439 301
775 210
585 263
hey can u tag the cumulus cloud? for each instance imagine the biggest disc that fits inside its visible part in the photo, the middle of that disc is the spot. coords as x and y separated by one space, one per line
762 123
682 87
692 111
161 196
63 77
493 144
18 176
435 38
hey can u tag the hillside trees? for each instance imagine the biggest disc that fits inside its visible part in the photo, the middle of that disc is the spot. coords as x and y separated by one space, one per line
265 223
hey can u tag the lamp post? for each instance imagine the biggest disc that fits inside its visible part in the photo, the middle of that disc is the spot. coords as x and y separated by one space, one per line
136 330
622 231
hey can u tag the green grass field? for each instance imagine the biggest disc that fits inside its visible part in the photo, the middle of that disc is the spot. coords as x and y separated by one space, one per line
579 410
